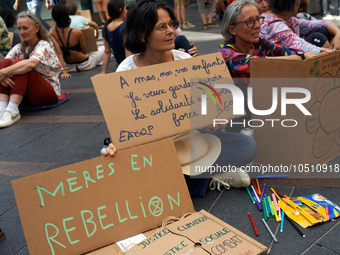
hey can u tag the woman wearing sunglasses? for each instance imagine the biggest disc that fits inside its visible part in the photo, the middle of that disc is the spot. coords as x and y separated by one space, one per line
240 27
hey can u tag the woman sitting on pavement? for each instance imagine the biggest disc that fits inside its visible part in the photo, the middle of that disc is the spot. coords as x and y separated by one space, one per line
72 44
281 27
29 73
240 27
150 36
113 33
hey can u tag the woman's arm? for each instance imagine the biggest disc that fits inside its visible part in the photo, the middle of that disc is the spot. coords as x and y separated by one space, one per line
95 27
64 74
21 67
15 5
335 32
106 57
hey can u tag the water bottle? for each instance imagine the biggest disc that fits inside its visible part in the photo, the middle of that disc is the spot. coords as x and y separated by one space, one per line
107 141
249 132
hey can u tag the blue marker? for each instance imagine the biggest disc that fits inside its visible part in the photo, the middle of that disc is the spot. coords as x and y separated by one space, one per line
282 218
272 176
268 207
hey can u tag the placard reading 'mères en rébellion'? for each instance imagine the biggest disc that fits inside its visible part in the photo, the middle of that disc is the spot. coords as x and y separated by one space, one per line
153 102
84 206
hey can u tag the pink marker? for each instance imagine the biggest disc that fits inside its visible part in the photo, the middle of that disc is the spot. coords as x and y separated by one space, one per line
328 213
275 202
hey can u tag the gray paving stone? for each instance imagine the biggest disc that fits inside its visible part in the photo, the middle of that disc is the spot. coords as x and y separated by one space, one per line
205 203
24 251
49 143
331 240
318 250
7 199
24 135
14 238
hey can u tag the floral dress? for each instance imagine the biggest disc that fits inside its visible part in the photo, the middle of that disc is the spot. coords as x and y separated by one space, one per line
49 66
239 63
5 41
289 33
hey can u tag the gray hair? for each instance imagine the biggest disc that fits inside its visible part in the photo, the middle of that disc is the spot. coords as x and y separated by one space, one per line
42 33
282 6
230 16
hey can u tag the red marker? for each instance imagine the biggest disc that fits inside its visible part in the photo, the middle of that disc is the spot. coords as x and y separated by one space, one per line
252 222
254 186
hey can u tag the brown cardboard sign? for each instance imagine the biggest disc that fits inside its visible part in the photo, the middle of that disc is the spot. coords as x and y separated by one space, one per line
315 139
199 233
158 101
88 205
90 39
85 14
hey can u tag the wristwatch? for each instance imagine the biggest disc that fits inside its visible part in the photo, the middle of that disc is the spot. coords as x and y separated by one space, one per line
301 54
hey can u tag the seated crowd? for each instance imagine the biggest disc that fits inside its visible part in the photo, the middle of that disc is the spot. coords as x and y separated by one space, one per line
149 34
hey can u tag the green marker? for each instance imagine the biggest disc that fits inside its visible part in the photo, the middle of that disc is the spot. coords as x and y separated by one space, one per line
265 206
271 206
251 197
264 209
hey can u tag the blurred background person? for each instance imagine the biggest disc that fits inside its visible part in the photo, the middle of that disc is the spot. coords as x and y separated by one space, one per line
78 21
102 4
72 44
34 6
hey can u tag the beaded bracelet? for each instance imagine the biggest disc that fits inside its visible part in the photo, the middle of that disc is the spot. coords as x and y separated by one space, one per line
65 72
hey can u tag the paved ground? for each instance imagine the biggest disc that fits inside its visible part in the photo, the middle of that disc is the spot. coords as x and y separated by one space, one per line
74 131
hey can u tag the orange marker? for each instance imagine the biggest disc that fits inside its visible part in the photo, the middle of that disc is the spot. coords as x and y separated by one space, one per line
258 186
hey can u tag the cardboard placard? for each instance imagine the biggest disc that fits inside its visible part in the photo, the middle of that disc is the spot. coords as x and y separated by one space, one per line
87 205
315 139
200 233
158 101
85 14
90 39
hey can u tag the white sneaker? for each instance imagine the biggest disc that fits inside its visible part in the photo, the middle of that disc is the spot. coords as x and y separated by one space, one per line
234 179
328 17
8 118
188 25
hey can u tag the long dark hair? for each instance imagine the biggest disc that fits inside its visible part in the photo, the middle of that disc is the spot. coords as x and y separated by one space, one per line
115 8
61 15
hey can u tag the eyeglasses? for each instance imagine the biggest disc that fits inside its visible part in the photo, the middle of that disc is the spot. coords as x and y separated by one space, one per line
173 24
251 22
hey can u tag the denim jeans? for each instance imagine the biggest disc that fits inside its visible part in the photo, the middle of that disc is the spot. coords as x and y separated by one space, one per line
237 150
35 6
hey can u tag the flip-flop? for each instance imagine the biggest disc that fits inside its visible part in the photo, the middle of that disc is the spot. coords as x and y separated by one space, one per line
1 233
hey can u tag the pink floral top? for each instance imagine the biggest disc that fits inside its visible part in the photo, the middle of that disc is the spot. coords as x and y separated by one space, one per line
49 67
288 34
